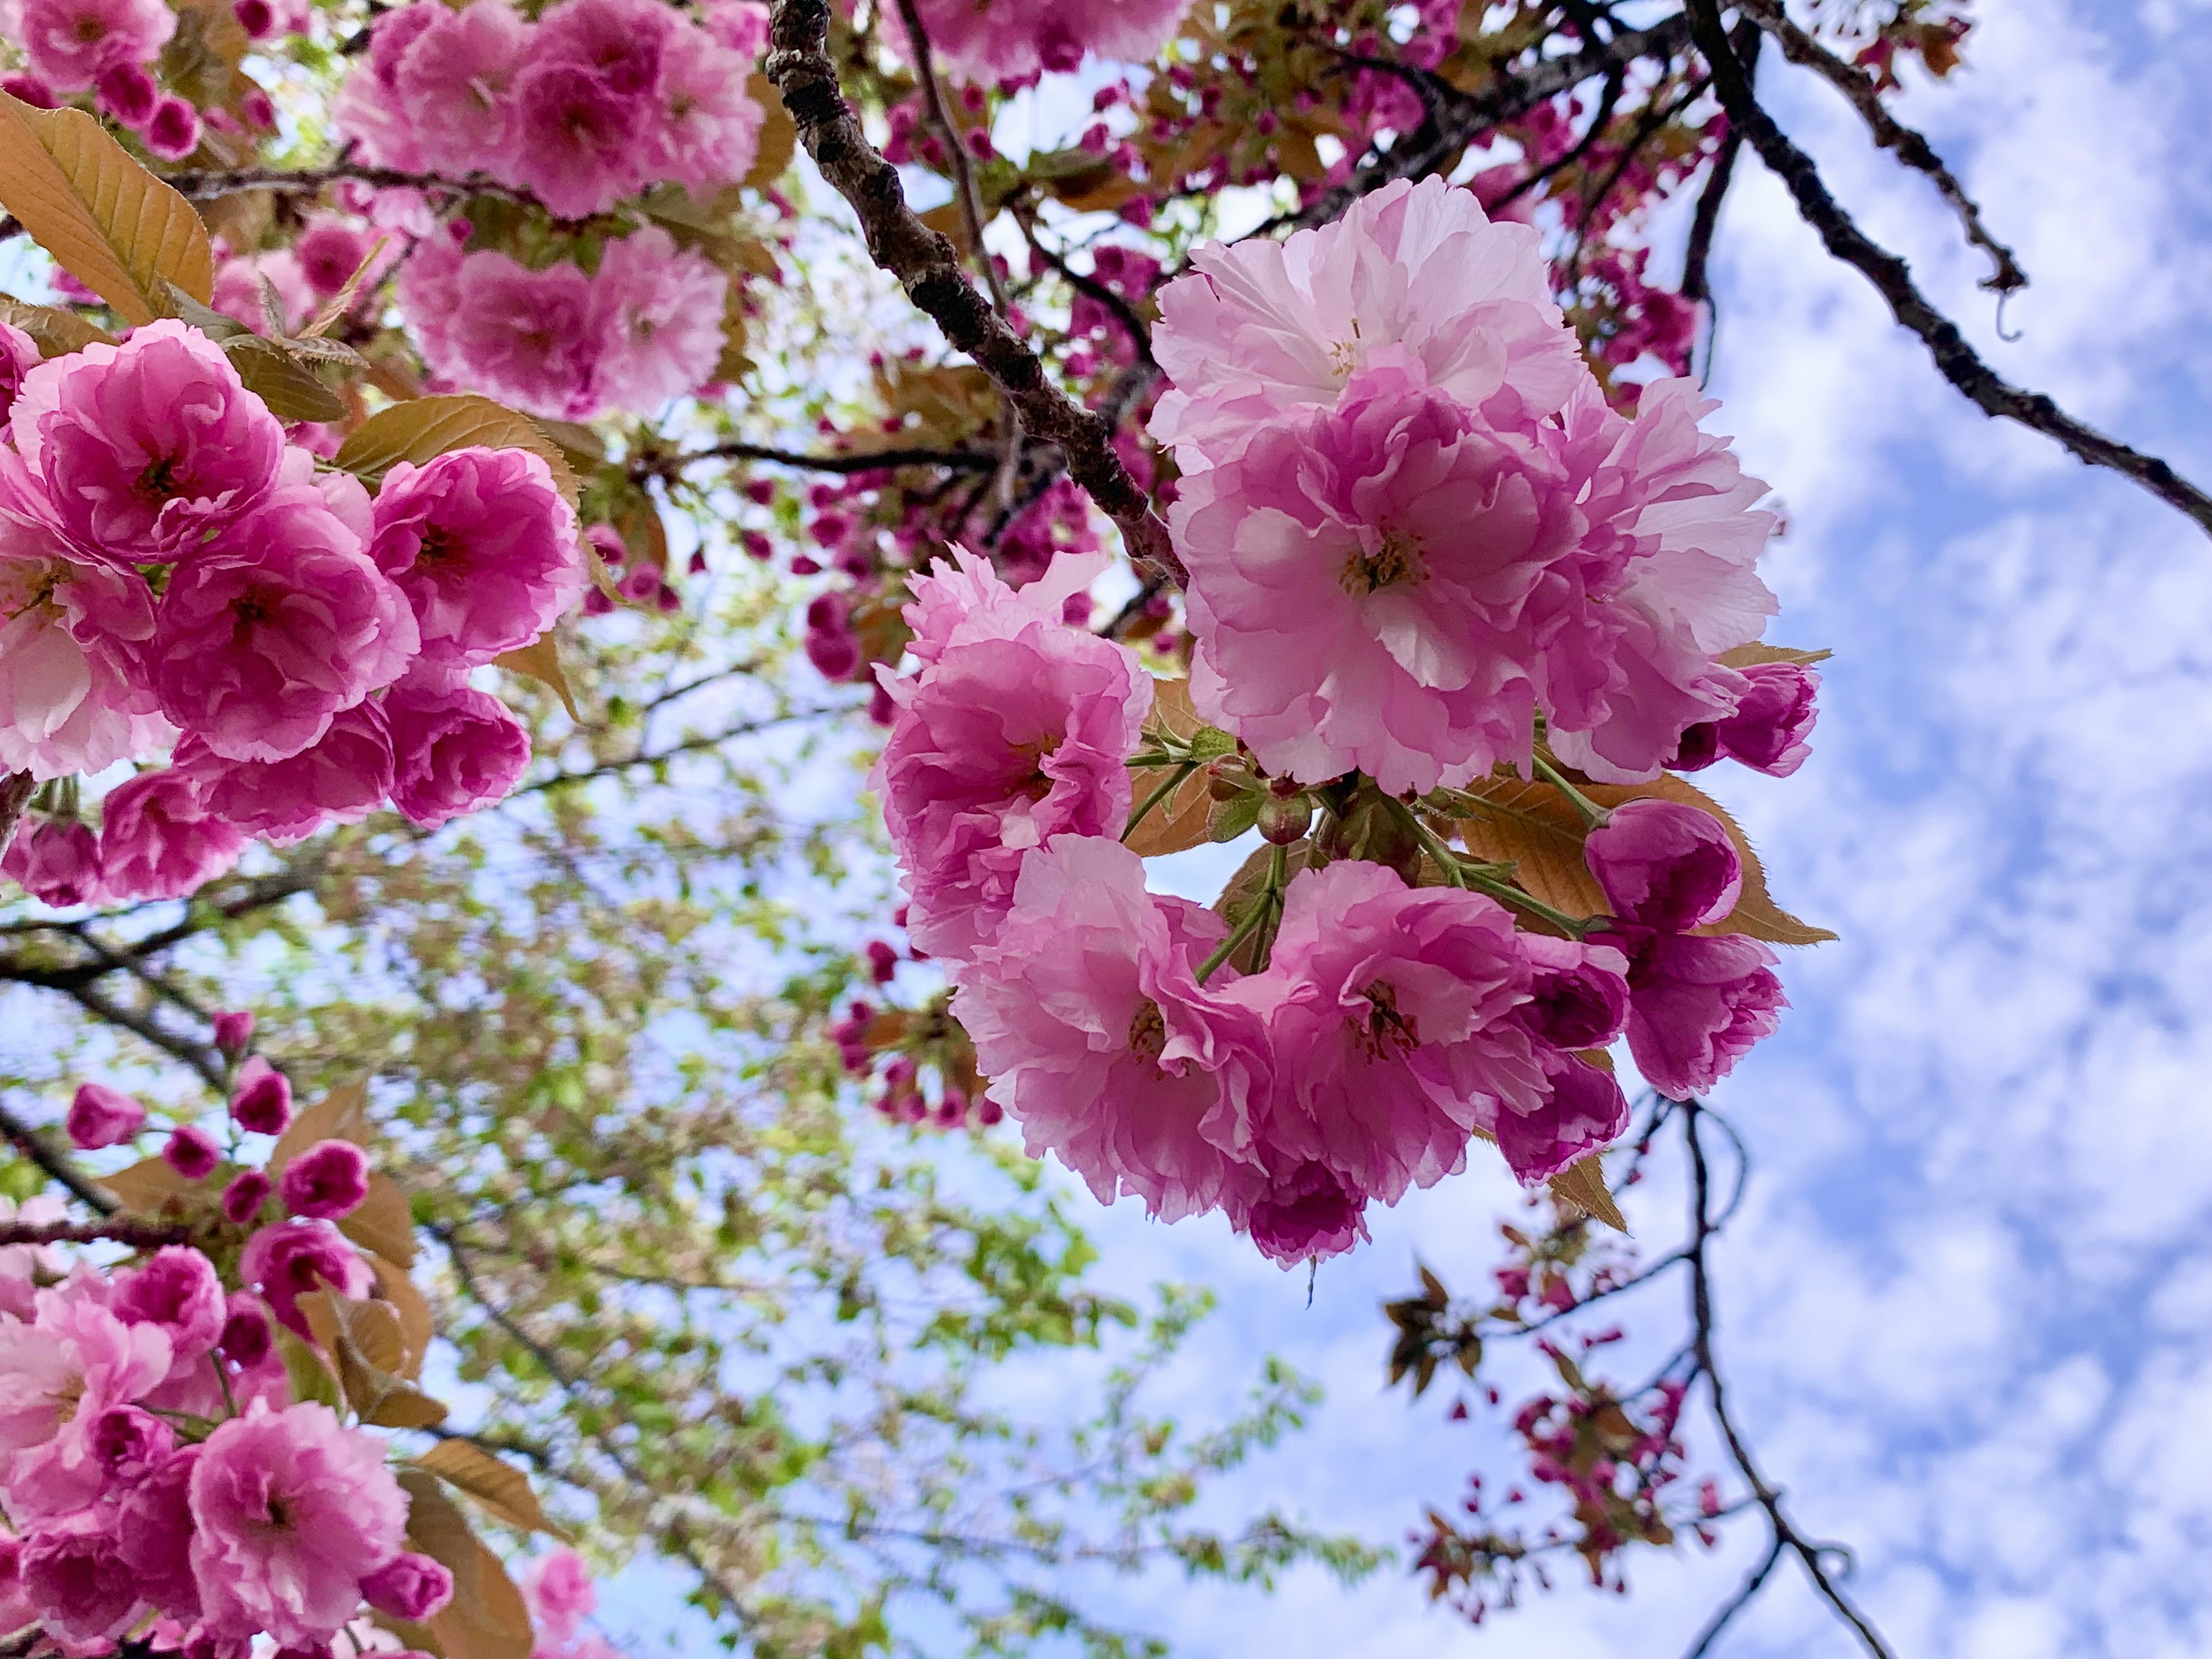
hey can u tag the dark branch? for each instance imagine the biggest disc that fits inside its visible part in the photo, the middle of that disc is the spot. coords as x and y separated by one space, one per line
1736 1604
872 460
204 186
927 267
1956 360
139 1234
35 1146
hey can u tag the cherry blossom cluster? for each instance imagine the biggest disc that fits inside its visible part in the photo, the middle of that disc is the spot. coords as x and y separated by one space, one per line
175 576
108 48
590 103
558 1589
644 327
157 1470
1016 40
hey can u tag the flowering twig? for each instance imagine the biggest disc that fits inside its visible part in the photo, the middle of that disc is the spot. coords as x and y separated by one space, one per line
927 267
33 1146
1955 359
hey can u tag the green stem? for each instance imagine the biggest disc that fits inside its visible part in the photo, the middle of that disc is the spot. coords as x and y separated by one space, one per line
1593 816
1505 891
1253 918
1175 782
1485 877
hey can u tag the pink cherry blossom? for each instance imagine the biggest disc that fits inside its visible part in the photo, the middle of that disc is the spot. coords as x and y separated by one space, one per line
75 1574
69 42
708 127
158 839
454 750
368 110
1410 274
100 1116
559 1591
191 1152
408 1586
56 862
580 140
1394 1034
340 778
1697 1005
740 25
1769 730
1307 1213
326 1182
1665 865
1089 1019
153 1535
1578 993
58 1373
177 1292
243 1198
1015 731
128 94
525 336
1012 40
266 634
625 42
1582 1111
262 1103
658 318
291 1511
1359 580
288 1260
128 1442
144 448
453 79
172 131
483 548
246 287
19 356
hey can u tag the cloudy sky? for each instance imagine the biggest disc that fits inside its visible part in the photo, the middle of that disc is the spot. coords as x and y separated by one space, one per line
1969 1308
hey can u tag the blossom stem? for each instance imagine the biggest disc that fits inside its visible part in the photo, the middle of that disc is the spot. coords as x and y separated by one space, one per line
1277 867
1175 781
1520 898
1592 815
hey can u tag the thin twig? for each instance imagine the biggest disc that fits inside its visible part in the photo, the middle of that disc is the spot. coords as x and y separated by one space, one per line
1736 1604
139 1234
928 267
57 1164
1889 133
204 186
1891 277
869 460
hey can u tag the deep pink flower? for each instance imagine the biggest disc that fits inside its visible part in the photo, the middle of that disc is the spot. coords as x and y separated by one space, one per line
1412 275
1099 1039
153 1535
1016 731
708 127
329 251
1697 1005
341 778
243 1198
1666 580
1583 1111
128 1442
76 1575
327 1181
1578 993
234 1030
1359 577
291 1511
624 42
580 140
525 336
247 1340
1769 729
159 840
69 42
73 632
19 356
191 1152
287 1260
177 1292
172 131
128 94
1308 1213
658 314
408 1586
102 1117
56 862
482 546
30 89
454 750
262 1103
1393 1028
1013 40
454 81
1665 865
277 626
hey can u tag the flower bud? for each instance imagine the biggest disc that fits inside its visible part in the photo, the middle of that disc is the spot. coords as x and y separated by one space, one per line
262 1103
327 1181
191 1153
1665 865
102 1117
1284 821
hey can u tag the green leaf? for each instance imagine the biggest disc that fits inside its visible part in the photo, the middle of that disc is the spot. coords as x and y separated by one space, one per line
108 221
57 332
1211 743
288 385
423 429
1232 817
311 1377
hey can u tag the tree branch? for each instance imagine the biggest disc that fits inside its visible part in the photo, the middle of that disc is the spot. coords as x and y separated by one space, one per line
874 460
204 186
1892 278
1889 133
57 1164
927 267
139 1234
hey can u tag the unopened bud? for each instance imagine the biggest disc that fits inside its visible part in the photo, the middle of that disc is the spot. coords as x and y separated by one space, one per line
1282 822
1226 778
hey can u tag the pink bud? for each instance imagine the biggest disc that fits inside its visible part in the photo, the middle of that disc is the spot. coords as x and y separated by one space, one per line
102 1117
263 1104
191 1152
234 1030
1665 865
408 1586
327 1181
242 1199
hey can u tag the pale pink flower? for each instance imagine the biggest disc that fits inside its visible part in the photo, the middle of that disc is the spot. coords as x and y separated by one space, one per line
1090 1021
482 546
100 1116
245 286
558 1588
288 1260
159 840
153 1535
1666 581
1015 731
73 636
340 778
57 1374
453 81
56 862
75 1574
625 42
1664 864
291 1511
428 289
270 631
175 1292
1358 579
989 41
1393 1030
326 1182
709 130
369 110
24 1267
580 140
144 448
658 317
1410 274
69 42
525 336
966 599
1696 1005
455 749
740 25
